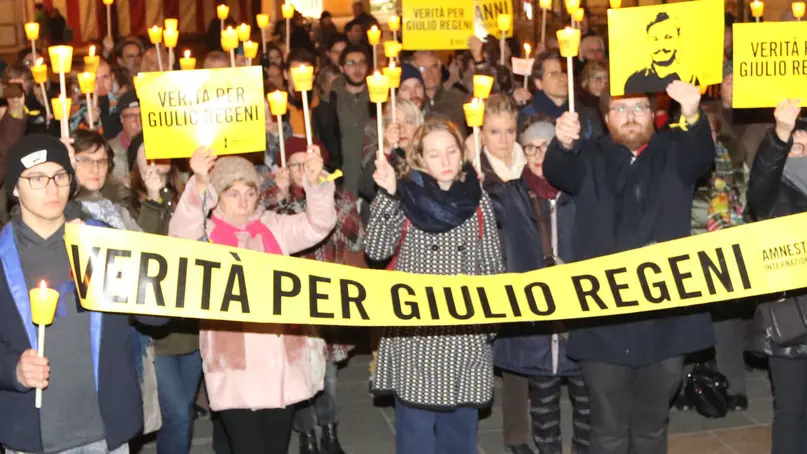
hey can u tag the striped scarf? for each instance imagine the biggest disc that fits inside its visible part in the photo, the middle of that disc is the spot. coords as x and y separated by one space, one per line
724 208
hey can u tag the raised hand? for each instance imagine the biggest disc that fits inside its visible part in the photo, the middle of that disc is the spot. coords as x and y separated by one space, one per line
786 114
384 175
314 164
201 163
567 129
687 95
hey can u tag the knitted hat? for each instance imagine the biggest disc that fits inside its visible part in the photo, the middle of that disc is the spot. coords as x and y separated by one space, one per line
131 152
728 68
409 72
300 145
538 130
31 151
230 169
127 100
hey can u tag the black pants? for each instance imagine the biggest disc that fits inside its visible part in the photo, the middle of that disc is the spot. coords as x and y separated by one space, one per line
258 432
789 433
630 406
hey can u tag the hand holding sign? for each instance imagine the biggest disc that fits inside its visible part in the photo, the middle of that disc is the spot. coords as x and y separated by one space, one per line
33 371
688 96
567 129
201 163
786 114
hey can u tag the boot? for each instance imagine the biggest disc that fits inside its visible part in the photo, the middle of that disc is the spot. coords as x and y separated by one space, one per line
330 441
308 443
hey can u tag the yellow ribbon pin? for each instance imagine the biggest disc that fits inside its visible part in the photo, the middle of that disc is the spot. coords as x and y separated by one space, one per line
332 177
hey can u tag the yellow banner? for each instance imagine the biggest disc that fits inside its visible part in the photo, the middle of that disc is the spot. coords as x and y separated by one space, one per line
430 25
218 108
650 46
770 63
137 273
487 15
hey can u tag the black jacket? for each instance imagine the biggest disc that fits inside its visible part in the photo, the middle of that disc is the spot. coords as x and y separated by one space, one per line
526 348
622 204
769 196
117 383
325 127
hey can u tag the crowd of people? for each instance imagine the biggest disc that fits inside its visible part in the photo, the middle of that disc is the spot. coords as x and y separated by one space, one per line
553 186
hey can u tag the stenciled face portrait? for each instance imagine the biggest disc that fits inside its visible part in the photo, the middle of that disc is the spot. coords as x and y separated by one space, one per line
663 39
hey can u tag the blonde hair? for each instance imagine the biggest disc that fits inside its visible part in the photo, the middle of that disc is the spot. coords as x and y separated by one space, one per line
409 109
500 104
414 152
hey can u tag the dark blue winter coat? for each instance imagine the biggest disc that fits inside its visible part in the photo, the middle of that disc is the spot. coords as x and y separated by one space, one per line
113 361
526 348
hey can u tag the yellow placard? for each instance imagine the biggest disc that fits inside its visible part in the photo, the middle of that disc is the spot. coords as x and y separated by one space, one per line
650 46
770 63
430 25
138 273
486 17
218 108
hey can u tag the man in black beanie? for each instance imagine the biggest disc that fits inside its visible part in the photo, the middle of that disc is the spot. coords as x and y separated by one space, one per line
91 400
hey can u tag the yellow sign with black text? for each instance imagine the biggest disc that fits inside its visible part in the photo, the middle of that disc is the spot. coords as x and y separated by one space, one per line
138 273
486 18
770 63
222 109
650 46
429 25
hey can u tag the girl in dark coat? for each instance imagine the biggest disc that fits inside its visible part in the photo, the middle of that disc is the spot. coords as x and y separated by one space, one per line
537 222
777 187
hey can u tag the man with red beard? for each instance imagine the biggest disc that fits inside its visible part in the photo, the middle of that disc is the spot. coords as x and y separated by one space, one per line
632 187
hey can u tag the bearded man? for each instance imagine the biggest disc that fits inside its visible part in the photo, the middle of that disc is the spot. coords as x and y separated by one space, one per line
664 44
632 187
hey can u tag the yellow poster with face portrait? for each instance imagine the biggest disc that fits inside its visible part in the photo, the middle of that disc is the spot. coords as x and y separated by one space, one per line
651 46
222 109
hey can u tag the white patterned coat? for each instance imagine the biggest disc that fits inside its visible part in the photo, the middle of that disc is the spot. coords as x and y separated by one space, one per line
439 368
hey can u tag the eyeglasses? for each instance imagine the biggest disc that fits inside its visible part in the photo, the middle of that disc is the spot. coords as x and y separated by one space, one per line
102 163
434 67
39 181
295 166
356 63
530 149
639 110
130 117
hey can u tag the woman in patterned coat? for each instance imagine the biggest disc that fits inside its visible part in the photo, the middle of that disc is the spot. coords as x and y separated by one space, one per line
436 220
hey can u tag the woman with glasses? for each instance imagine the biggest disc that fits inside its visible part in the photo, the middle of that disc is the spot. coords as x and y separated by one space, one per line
537 221
593 82
777 187
104 199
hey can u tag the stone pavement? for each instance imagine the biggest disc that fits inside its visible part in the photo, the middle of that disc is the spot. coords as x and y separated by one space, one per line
368 428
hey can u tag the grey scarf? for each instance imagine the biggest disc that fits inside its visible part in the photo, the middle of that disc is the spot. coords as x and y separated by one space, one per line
795 173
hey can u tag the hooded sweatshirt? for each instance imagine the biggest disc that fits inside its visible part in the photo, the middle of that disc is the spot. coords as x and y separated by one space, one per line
70 415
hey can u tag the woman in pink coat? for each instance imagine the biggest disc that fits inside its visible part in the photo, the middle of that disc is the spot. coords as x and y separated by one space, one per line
255 372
